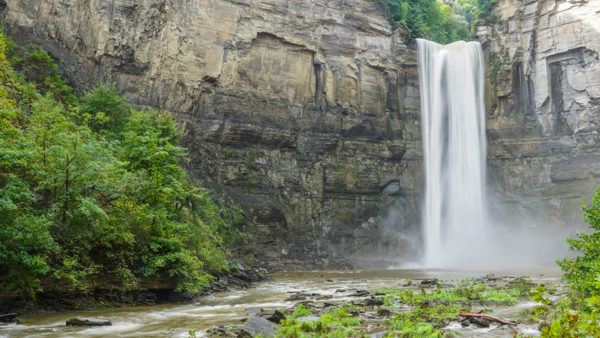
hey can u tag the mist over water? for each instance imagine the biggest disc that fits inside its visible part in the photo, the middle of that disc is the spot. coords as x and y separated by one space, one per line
458 228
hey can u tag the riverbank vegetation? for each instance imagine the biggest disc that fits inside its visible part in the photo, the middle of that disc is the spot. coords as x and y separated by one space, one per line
92 192
438 20
576 314
423 309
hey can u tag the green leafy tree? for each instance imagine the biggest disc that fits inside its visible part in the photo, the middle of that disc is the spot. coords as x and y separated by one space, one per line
38 66
104 108
93 193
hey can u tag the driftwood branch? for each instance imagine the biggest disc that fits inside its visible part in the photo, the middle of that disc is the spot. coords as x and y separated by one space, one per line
486 317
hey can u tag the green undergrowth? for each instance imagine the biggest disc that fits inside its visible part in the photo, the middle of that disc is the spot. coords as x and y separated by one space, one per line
337 323
414 312
429 310
576 313
92 192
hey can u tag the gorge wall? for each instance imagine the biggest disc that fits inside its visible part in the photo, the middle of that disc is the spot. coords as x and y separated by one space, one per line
544 99
305 111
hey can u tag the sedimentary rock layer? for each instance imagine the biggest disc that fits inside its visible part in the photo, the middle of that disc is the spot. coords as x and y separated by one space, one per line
544 120
306 111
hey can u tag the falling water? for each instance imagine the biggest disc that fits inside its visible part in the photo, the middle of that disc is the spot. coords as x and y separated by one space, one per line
454 142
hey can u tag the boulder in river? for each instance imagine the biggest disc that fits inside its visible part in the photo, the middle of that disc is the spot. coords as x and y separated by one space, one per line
253 311
360 293
384 312
429 282
373 301
8 318
296 297
275 316
88 322
258 326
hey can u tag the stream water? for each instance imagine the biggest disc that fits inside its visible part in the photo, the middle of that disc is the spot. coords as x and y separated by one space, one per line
176 320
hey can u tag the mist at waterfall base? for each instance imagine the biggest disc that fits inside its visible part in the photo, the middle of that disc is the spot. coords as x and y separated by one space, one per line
462 227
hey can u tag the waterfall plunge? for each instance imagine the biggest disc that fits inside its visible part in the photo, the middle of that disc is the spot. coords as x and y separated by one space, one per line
454 147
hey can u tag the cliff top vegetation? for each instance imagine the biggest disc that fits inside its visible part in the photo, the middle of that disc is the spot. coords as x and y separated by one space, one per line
440 21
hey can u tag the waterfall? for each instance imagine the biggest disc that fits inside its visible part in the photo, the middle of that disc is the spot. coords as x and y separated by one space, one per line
454 149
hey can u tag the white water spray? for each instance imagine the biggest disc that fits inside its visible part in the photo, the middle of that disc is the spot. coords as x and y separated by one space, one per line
454 142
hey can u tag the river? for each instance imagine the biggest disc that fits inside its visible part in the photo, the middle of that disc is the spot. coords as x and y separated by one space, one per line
178 320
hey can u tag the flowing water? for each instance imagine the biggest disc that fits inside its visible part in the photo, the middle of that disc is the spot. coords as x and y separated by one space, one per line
454 143
228 307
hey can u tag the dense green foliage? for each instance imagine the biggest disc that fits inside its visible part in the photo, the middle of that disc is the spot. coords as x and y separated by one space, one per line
437 20
432 310
413 312
92 192
337 323
578 314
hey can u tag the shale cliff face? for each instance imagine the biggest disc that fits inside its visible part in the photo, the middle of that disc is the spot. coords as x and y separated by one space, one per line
305 110
544 121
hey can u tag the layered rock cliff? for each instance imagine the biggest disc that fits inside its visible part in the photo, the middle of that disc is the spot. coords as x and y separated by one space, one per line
544 117
305 111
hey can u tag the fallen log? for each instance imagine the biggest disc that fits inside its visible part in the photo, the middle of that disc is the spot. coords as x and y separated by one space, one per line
486 317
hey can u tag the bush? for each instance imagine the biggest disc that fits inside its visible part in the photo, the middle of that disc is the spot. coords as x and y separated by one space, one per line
583 272
93 192
578 314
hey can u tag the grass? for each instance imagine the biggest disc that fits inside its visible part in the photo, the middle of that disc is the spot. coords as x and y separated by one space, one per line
337 323
415 312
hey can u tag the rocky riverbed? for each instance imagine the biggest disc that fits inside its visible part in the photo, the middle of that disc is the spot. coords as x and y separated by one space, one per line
369 303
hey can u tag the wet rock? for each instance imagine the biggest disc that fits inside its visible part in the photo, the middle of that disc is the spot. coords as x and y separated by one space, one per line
8 318
384 313
324 297
224 332
217 331
258 326
487 278
429 282
510 331
295 297
88 322
479 322
374 301
381 334
360 293
356 312
369 302
253 311
276 316
319 306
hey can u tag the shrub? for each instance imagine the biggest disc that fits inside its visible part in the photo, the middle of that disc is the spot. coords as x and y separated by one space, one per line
101 198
